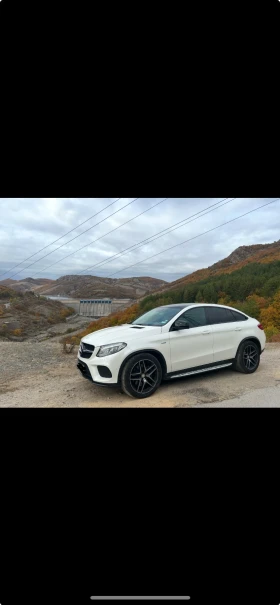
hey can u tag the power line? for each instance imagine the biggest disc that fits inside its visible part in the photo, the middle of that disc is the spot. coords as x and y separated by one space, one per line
57 240
168 230
96 240
73 238
151 238
192 238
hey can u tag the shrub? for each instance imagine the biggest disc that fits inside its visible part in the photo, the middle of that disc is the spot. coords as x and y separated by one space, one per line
20 306
270 332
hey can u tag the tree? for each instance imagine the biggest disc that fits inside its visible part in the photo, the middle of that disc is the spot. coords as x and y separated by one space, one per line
209 294
270 316
271 286
251 307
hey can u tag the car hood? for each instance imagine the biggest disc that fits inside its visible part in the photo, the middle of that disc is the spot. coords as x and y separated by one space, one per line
125 333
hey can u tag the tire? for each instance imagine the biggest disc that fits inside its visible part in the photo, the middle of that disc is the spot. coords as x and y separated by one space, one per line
141 376
245 364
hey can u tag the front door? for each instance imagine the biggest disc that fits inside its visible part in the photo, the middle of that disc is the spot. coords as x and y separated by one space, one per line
191 347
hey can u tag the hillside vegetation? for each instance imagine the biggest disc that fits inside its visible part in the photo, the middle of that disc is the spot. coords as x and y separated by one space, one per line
23 315
249 280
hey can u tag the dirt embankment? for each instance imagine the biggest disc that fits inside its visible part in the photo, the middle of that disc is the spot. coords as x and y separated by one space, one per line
39 374
26 315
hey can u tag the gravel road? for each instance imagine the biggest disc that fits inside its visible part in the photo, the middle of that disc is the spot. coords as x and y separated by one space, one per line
39 374
257 398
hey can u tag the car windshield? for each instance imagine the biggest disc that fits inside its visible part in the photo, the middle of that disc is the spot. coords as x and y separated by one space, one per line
157 317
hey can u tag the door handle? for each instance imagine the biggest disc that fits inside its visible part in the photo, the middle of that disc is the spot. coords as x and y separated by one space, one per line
237 329
206 332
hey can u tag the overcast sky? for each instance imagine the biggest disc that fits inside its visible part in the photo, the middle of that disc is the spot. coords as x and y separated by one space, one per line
27 225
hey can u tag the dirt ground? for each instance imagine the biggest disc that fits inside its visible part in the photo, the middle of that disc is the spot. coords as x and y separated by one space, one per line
39 374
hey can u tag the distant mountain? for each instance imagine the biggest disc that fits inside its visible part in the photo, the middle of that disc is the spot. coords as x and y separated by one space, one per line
88 286
25 285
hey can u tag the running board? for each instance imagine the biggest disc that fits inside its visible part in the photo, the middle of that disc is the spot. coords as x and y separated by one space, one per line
224 365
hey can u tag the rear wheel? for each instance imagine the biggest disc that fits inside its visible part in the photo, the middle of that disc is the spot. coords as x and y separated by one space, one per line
141 376
247 358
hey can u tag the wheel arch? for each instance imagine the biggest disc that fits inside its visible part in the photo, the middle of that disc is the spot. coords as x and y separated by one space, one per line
253 339
154 352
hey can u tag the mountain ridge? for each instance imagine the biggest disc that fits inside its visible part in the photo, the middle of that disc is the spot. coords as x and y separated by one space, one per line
263 253
87 286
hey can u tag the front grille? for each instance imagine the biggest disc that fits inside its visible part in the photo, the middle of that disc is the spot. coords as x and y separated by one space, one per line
86 350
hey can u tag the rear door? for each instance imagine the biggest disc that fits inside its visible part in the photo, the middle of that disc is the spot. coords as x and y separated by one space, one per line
227 328
191 347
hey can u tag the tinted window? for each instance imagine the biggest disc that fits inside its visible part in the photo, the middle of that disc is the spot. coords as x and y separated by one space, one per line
238 316
218 315
157 317
195 317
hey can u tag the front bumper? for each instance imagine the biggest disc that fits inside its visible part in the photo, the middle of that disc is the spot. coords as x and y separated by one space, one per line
84 369
82 366
109 376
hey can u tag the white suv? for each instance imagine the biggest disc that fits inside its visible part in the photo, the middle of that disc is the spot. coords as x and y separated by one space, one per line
169 342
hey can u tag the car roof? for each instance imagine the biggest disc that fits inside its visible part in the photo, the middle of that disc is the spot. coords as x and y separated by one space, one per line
195 304
182 305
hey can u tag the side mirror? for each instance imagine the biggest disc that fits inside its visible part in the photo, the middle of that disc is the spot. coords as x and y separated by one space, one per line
181 324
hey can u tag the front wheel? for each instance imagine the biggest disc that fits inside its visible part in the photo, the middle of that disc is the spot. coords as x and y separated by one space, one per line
141 376
247 358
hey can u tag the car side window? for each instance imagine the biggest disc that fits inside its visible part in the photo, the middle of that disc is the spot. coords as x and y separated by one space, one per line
195 317
218 315
238 316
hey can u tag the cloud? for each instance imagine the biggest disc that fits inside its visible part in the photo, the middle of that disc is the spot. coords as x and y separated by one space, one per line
28 225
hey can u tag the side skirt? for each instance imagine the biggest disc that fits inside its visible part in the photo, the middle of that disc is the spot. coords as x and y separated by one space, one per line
200 369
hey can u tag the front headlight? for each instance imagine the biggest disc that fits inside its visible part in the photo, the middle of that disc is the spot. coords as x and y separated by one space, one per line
110 349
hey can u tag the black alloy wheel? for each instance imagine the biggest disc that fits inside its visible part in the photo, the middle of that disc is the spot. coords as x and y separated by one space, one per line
141 376
248 357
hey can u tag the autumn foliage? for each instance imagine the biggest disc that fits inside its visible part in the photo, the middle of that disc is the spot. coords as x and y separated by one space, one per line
17 332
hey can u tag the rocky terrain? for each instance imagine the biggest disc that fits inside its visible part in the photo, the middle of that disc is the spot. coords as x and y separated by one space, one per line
28 314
